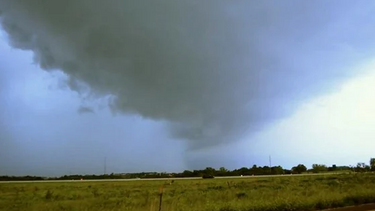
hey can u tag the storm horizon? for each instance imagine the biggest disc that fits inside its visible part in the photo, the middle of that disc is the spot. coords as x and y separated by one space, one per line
178 85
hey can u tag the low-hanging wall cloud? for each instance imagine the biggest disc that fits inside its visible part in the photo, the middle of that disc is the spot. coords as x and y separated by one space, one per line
214 70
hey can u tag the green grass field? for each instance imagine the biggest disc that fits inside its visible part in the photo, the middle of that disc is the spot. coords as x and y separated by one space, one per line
248 194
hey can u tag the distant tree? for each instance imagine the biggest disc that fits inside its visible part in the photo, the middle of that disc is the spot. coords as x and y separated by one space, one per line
243 171
198 173
266 170
372 164
223 170
287 171
361 167
209 171
318 168
300 168
332 168
277 170
187 173
254 170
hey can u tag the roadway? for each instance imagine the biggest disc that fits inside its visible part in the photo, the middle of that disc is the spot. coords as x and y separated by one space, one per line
161 179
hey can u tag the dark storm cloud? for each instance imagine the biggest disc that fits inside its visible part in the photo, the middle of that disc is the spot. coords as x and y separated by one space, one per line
85 110
213 69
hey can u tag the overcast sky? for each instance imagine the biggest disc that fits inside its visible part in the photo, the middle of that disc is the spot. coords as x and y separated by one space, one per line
174 85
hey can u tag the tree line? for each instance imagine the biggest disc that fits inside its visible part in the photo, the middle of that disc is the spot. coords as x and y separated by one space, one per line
245 171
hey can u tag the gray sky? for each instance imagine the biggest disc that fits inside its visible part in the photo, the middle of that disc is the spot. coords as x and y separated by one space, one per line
170 85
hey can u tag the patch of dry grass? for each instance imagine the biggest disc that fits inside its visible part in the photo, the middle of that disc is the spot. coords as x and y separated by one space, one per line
248 194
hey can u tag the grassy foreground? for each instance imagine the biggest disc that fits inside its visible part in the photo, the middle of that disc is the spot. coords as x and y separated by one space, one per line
248 194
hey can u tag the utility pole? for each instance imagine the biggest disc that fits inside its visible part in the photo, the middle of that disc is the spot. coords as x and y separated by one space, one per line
270 161
270 164
105 165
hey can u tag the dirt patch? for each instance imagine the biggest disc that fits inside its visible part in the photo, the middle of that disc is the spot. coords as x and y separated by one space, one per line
365 207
